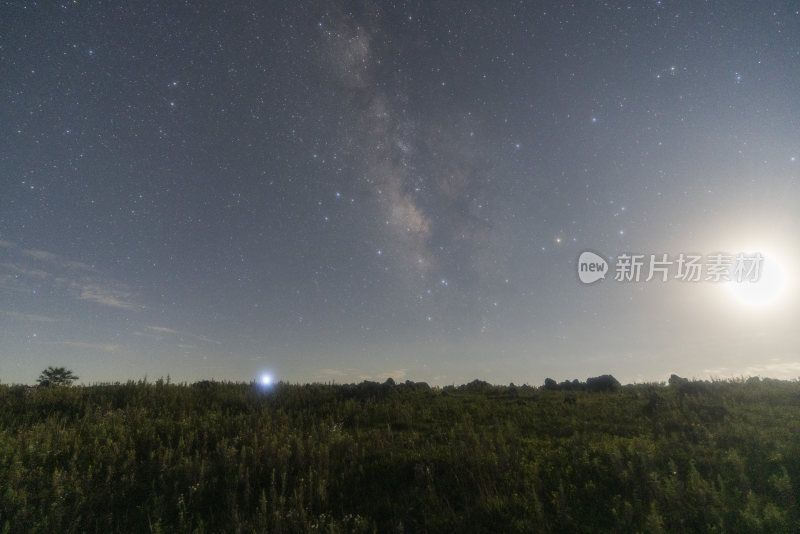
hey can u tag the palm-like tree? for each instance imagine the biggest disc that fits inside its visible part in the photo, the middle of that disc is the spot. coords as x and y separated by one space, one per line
56 376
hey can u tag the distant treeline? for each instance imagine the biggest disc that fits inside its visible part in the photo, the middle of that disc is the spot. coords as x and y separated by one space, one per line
593 456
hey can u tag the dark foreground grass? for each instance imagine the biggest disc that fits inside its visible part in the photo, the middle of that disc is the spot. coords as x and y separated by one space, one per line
220 457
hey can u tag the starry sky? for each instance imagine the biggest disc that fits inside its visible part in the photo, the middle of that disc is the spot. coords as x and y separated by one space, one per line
346 191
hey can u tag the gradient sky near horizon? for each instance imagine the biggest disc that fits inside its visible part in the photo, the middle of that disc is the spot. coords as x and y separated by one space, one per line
340 191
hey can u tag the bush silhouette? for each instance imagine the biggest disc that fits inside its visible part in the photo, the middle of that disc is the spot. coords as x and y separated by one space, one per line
56 376
602 383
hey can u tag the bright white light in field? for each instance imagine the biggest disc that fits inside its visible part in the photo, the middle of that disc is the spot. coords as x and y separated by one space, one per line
266 380
769 288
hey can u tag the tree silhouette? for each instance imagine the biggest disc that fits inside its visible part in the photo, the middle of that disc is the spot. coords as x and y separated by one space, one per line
56 376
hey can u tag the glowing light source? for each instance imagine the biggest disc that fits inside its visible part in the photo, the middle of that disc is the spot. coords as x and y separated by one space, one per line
266 379
769 287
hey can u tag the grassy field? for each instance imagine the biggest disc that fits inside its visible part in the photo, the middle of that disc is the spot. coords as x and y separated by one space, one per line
223 457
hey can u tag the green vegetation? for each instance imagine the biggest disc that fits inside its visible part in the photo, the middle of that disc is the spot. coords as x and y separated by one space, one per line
56 376
223 457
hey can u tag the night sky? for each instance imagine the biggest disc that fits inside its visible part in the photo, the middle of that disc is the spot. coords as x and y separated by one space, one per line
341 191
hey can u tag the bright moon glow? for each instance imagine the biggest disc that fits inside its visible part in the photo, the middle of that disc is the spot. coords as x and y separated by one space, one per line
768 289
266 380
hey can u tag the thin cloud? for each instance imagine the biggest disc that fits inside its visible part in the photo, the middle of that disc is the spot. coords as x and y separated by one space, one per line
25 271
55 259
164 330
205 339
105 347
106 297
10 282
332 373
774 369
29 317
358 376
336 375
397 374
40 254
36 270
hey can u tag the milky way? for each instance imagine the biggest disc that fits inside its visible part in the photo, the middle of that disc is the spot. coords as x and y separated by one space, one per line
339 191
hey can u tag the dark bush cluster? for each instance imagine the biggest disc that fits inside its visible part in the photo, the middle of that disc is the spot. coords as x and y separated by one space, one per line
595 384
